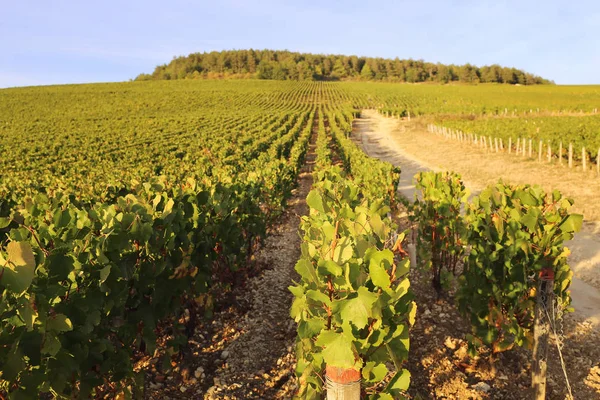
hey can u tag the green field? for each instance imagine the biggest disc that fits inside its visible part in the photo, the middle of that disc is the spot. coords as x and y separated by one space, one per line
121 203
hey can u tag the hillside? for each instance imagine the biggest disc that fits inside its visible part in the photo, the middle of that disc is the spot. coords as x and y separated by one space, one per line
287 65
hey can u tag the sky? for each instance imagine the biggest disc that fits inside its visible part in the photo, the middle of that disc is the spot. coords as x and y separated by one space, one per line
78 41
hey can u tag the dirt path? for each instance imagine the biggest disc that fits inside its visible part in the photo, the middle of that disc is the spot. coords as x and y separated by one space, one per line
260 362
403 144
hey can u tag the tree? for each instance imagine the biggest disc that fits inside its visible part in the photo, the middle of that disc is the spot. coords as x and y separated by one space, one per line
264 70
338 70
366 73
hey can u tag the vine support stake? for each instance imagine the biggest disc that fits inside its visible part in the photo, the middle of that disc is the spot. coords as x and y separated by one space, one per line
541 333
342 384
412 249
560 153
570 155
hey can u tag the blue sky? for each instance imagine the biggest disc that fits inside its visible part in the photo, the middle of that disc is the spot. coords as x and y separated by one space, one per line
69 41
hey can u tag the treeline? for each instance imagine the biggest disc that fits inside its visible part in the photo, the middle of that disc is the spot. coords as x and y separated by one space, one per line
287 65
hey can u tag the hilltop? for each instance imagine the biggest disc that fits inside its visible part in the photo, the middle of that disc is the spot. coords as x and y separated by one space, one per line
287 65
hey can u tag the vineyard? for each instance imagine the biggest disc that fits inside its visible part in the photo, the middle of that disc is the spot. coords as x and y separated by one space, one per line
132 213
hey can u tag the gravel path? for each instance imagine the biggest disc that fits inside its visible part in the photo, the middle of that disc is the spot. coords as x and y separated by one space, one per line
260 361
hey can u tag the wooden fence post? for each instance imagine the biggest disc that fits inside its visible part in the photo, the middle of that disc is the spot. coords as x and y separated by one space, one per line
549 153
541 333
560 153
540 152
509 144
342 384
570 155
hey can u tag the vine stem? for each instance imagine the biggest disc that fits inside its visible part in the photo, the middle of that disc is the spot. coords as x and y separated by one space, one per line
30 229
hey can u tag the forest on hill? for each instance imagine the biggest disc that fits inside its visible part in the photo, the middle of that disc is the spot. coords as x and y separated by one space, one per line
287 65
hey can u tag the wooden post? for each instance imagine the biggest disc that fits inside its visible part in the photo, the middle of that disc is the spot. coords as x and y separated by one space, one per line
530 142
583 159
501 145
549 153
496 144
518 146
509 145
342 384
408 115
541 333
560 153
540 152
570 155
412 254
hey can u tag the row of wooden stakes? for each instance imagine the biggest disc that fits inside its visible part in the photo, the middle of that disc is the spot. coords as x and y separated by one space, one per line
521 148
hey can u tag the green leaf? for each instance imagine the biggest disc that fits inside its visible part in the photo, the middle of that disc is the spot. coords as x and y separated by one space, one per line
4 222
379 262
21 253
400 382
338 349
525 197
27 313
104 272
314 200
378 226
530 220
328 267
297 291
59 323
343 251
299 305
310 328
19 274
12 366
318 296
412 314
572 223
51 344
358 309
306 270
374 372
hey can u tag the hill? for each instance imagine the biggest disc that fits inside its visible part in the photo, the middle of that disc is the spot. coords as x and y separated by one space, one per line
287 65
